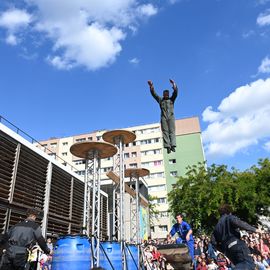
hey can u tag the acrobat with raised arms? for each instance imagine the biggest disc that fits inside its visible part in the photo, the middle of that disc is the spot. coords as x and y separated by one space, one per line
167 119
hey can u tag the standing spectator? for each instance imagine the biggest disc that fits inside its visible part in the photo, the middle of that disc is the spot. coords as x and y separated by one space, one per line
226 238
21 237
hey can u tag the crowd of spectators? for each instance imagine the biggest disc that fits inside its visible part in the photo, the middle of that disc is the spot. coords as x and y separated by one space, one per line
206 257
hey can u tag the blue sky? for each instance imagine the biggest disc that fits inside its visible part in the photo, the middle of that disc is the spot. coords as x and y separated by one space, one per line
70 67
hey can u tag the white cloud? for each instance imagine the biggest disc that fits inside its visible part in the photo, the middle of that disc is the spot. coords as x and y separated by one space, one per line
147 10
14 21
240 121
86 33
134 61
264 18
265 65
267 146
11 39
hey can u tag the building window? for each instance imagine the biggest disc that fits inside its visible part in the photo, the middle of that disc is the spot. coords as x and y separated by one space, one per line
163 228
134 143
157 162
44 145
90 138
98 138
133 165
161 200
64 154
107 169
64 163
152 229
157 188
134 154
173 173
53 145
79 161
126 155
163 214
81 140
156 175
80 172
65 143
172 161
126 145
156 140
151 152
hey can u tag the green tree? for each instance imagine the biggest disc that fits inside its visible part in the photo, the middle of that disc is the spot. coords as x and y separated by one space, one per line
200 192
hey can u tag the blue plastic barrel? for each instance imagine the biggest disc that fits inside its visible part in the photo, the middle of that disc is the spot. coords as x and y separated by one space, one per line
113 252
72 252
132 257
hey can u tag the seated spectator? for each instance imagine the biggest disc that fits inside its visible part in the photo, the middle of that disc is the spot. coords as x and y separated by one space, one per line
197 250
210 250
258 261
202 265
211 265
253 248
222 262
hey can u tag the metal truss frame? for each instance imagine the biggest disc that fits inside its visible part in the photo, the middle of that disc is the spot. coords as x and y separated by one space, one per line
92 209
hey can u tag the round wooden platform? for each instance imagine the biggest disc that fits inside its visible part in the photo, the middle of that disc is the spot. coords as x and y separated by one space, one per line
127 136
82 149
139 172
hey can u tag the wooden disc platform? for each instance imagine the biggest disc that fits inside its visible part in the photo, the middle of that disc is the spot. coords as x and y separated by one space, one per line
125 135
82 149
138 172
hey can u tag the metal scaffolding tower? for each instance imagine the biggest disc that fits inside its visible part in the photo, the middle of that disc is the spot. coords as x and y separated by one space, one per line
92 152
119 138
134 176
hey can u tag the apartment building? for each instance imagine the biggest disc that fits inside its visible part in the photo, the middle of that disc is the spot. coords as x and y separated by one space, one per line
145 152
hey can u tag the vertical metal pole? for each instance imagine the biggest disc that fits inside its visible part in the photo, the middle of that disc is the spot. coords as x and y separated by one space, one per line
14 173
47 199
95 240
122 203
86 202
98 209
138 241
137 211
71 204
116 197
12 184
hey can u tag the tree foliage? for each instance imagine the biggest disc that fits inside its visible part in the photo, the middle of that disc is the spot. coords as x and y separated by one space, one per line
201 191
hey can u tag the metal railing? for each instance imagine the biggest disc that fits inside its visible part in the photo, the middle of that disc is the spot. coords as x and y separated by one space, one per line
32 140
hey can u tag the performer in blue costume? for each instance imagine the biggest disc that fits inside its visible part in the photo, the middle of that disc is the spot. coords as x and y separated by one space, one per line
184 232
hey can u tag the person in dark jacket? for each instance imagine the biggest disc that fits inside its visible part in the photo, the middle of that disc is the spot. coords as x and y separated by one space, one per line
226 239
167 120
21 237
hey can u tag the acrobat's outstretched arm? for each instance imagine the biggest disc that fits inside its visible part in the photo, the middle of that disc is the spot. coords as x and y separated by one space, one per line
152 90
175 90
